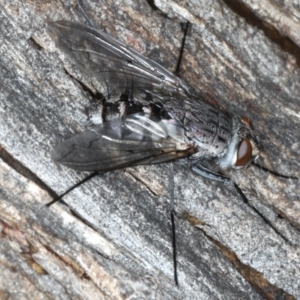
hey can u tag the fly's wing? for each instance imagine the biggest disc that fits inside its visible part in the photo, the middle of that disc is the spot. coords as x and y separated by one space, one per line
120 143
115 65
122 69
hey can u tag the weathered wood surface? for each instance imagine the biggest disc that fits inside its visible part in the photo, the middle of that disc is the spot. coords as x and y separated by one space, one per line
112 239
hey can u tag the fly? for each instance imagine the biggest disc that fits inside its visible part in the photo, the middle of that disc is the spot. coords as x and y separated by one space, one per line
147 115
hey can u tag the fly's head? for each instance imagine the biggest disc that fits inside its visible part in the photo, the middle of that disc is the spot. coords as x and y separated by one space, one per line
243 147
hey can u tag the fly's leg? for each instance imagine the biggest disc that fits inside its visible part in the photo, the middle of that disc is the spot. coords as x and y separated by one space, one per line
274 173
84 15
172 215
205 172
171 170
59 198
185 31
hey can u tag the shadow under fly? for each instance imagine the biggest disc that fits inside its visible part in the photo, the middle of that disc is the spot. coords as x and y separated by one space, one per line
148 115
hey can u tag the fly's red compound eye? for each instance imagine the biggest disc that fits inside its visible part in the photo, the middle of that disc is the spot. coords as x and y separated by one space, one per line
244 153
247 121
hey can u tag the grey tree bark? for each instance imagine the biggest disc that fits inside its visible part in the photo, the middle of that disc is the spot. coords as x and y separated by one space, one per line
111 238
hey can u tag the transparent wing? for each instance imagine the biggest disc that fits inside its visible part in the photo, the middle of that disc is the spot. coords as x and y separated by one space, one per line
116 65
120 143
122 69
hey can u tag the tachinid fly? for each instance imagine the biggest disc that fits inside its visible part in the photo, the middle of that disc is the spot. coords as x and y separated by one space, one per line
147 115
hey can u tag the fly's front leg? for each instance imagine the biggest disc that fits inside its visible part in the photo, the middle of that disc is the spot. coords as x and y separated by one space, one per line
205 172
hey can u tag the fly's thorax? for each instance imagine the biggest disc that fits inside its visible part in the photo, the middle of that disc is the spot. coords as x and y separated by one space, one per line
243 147
210 131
